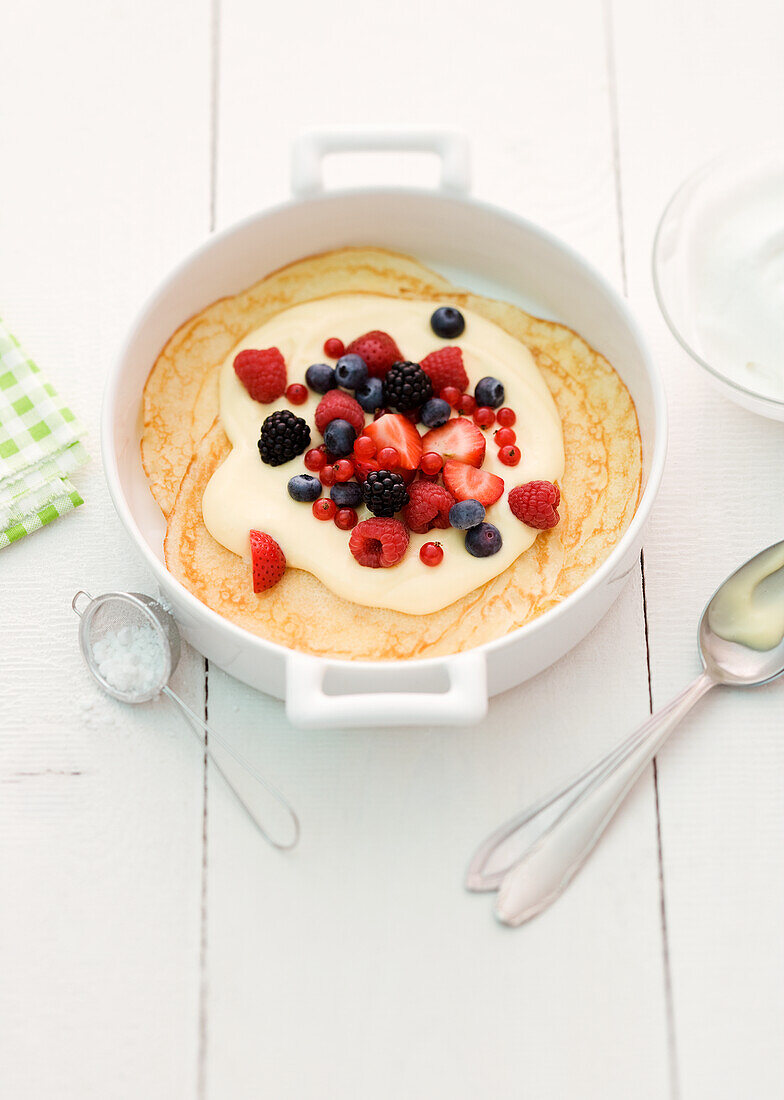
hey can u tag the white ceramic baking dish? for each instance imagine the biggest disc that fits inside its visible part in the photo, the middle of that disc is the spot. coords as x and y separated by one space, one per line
479 246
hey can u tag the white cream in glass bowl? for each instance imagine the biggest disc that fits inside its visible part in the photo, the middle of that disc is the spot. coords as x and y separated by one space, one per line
718 267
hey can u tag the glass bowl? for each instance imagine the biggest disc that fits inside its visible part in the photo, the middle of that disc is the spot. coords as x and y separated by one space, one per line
718 272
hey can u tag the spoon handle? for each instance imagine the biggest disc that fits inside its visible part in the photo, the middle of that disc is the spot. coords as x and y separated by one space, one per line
566 827
242 778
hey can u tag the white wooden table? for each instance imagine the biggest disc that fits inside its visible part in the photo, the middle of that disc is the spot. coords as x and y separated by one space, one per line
151 945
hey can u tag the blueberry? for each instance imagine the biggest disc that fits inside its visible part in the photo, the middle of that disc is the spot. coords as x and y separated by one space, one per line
435 412
447 322
346 494
484 540
466 514
339 438
350 371
320 378
303 487
489 392
370 394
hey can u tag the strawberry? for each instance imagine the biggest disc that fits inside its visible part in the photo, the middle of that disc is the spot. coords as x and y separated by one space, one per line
395 430
269 561
379 351
379 543
445 368
467 483
428 506
536 503
337 405
459 438
262 373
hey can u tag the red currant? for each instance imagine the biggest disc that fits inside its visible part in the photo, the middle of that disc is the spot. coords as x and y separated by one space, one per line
334 348
451 394
506 417
344 469
297 393
366 466
314 459
504 437
431 553
388 458
327 476
379 413
324 508
431 463
510 456
346 518
484 417
364 447
466 404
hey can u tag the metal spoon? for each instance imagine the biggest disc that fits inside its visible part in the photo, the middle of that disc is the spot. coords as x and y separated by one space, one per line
532 858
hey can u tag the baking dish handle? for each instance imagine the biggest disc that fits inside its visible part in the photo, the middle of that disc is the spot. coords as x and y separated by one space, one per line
308 706
309 150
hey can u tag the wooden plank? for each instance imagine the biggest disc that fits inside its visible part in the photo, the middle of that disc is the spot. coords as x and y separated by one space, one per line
358 966
105 184
692 80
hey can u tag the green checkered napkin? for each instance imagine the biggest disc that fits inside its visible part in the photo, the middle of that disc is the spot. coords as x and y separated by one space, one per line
39 446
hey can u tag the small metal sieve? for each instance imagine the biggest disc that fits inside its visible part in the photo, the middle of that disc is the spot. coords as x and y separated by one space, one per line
131 645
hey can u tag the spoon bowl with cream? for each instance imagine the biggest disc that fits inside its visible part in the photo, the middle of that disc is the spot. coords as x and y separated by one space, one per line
532 858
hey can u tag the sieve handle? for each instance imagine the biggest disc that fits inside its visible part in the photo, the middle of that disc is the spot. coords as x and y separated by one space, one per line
77 601
242 778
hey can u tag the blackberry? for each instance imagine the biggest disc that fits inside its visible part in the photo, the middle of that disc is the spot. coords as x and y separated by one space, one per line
406 386
385 493
283 437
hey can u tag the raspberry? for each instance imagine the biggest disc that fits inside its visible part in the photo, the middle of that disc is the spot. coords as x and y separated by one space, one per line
536 503
446 369
379 543
262 373
337 405
428 507
379 351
